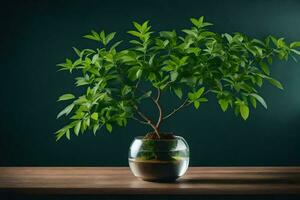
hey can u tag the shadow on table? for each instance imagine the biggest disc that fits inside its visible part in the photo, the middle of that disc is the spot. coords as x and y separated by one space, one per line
239 181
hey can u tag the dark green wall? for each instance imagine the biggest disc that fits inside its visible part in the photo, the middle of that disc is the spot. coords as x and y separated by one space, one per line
36 35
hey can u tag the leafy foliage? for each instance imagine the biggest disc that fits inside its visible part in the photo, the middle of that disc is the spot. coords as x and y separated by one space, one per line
191 65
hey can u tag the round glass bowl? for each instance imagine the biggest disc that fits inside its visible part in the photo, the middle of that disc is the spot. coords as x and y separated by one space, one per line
160 160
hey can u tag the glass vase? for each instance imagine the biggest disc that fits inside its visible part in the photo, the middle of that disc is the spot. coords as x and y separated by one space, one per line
161 160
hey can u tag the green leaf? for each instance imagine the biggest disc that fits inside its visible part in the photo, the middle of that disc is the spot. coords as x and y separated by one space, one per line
95 128
295 51
151 59
134 33
178 92
258 42
174 75
132 73
275 83
237 111
253 101
281 43
152 77
68 134
260 99
77 51
87 121
190 32
196 95
199 92
145 26
136 42
59 134
95 58
137 26
265 68
191 96
126 90
91 37
196 104
94 33
109 37
77 128
65 111
114 46
139 73
102 37
197 22
274 40
108 127
168 34
223 104
146 95
228 37
66 97
95 36
203 100
168 68
244 110
94 116
270 60
259 81
295 44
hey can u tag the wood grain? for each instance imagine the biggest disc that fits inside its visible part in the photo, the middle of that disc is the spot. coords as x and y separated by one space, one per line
119 180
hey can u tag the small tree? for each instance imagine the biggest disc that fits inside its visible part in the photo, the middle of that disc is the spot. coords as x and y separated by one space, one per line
191 65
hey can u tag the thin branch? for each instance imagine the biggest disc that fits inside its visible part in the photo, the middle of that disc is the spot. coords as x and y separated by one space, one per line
158 95
143 116
206 92
186 103
156 101
137 83
138 120
148 121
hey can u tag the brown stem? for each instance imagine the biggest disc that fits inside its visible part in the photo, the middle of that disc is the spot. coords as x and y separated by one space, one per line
184 104
156 101
147 119
138 120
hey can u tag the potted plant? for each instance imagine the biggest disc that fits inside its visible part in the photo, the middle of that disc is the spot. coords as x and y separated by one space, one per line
191 65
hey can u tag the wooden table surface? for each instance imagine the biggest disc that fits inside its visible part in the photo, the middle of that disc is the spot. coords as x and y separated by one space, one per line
119 180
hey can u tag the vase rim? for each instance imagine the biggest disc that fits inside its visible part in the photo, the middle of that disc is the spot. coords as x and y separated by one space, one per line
176 138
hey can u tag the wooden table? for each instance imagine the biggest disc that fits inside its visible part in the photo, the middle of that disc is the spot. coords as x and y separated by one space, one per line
120 181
